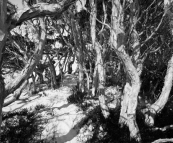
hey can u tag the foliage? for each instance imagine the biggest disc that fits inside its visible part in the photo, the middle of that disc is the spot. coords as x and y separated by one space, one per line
78 98
21 126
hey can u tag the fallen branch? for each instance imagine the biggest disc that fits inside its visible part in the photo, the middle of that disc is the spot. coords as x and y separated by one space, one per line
163 140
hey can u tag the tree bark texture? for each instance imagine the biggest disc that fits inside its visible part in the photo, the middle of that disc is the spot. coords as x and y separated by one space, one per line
93 16
99 73
16 95
3 35
132 87
52 72
79 53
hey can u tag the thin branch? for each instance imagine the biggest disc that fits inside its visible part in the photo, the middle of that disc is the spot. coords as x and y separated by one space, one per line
105 17
155 31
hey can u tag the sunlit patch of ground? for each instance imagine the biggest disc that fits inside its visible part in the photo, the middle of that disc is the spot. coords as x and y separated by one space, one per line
60 117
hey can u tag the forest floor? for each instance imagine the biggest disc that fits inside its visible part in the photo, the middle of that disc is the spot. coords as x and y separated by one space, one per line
61 117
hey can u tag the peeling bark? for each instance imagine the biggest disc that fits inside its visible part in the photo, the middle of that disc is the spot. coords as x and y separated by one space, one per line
134 36
99 72
95 80
132 87
101 81
79 53
93 16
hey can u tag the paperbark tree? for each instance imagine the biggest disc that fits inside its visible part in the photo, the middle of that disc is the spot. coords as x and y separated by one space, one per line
132 87
99 73
53 73
79 52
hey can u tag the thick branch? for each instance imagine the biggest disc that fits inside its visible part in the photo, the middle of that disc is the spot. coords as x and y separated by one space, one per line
16 95
37 10
163 140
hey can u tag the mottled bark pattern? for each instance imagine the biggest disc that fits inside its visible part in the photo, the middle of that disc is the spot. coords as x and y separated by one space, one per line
99 73
79 52
132 88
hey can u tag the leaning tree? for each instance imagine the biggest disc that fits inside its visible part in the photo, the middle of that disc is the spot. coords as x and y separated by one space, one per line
11 19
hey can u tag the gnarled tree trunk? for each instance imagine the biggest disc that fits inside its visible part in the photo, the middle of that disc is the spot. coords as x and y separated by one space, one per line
132 87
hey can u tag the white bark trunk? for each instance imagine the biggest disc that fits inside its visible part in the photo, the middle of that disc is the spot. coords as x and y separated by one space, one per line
99 74
156 107
132 88
79 53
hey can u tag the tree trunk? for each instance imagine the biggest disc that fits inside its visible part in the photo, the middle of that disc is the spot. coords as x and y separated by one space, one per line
99 73
40 75
33 86
53 73
93 16
79 53
95 80
81 72
101 81
88 79
132 87
16 95
3 35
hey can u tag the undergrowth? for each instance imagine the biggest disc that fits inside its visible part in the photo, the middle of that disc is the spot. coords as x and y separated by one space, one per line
109 130
22 126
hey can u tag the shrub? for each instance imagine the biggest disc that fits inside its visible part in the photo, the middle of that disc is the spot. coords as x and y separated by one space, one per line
21 126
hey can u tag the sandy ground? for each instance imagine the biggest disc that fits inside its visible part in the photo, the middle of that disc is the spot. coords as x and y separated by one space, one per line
62 119
60 115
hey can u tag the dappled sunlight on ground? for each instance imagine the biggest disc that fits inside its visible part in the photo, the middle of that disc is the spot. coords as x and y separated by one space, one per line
60 116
